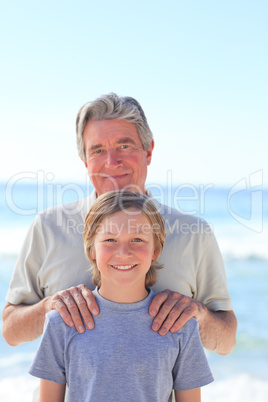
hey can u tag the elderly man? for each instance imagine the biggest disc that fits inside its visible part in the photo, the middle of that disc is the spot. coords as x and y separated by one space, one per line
116 145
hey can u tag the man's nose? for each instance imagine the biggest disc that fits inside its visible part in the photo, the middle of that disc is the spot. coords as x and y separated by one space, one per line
112 159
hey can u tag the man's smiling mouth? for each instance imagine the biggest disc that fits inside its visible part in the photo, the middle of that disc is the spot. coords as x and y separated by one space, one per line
119 176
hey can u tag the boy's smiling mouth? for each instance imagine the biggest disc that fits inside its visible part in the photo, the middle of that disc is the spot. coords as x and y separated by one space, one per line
124 267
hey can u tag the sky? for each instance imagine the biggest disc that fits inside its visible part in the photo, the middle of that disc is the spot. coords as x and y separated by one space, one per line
198 68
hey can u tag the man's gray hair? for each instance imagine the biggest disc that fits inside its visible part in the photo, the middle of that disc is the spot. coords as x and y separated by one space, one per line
111 107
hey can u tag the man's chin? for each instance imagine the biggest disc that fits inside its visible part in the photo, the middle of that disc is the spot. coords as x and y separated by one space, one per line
115 185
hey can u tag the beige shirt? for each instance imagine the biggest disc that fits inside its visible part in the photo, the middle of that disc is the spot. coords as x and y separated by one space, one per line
52 257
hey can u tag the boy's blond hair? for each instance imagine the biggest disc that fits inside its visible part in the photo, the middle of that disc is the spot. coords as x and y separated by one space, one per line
111 203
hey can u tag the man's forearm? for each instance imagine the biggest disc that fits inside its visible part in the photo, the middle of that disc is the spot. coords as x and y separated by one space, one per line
218 330
23 323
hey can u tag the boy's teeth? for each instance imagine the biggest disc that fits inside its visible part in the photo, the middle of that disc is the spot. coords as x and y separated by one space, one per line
123 266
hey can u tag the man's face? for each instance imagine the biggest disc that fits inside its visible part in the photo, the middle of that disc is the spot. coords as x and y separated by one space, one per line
115 158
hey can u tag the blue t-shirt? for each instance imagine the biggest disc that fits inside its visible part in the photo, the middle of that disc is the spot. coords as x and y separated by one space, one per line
122 359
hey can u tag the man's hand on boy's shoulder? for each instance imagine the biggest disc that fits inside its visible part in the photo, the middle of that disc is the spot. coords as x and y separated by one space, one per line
172 310
72 304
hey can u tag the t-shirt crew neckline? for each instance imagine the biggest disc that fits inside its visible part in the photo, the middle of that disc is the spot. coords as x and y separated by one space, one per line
108 304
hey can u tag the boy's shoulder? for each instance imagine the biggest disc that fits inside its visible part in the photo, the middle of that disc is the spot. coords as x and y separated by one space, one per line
53 315
55 326
190 328
53 318
191 325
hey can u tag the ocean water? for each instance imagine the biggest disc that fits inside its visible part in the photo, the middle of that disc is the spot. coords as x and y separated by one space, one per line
240 221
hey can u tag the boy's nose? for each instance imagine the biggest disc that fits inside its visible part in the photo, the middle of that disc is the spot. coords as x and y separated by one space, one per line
123 251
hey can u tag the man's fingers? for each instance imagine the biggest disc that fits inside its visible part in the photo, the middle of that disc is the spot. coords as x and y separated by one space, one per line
167 310
82 308
175 323
187 314
72 301
165 319
158 300
90 300
175 311
61 308
75 305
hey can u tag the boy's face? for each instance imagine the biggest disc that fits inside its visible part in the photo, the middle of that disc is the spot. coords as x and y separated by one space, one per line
124 250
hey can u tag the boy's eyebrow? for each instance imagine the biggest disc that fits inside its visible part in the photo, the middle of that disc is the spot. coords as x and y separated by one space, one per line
135 233
144 232
108 232
123 140
139 230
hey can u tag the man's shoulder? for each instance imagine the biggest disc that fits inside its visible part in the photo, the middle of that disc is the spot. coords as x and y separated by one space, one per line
68 209
176 220
173 213
60 214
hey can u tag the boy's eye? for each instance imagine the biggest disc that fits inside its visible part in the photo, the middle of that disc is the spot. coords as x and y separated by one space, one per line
110 240
137 240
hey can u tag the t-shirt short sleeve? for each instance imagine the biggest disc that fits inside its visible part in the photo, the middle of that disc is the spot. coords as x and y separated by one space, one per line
191 369
49 363
24 286
212 287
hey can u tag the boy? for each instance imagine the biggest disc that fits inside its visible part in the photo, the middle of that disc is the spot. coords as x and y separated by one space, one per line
124 235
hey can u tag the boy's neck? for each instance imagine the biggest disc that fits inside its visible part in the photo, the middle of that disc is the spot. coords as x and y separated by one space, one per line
123 295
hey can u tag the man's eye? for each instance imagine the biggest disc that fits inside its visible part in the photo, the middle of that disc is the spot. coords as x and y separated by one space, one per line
97 151
124 146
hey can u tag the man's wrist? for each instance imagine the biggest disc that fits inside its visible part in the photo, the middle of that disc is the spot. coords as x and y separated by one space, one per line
46 305
202 314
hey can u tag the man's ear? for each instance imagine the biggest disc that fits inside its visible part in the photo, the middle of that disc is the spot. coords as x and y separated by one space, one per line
85 163
149 153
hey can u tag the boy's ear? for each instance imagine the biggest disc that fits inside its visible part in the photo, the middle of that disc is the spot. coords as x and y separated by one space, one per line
155 254
93 253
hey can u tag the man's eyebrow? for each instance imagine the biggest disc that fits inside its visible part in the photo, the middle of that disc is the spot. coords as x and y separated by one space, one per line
125 140
93 147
